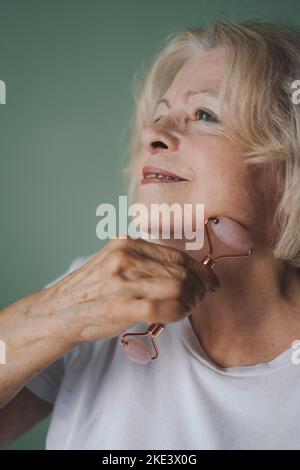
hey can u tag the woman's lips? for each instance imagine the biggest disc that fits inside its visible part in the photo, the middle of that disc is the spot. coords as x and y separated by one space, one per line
153 174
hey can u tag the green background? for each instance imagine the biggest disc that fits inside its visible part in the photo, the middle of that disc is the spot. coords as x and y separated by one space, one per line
69 67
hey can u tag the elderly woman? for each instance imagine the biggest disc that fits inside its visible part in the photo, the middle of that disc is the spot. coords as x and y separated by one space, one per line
216 108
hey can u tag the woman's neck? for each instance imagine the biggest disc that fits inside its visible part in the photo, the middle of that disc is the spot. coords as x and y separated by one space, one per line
254 316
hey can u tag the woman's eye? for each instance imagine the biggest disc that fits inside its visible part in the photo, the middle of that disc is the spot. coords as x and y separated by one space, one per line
206 115
201 114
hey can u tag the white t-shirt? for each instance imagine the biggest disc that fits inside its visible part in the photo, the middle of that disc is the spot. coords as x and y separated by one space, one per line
180 401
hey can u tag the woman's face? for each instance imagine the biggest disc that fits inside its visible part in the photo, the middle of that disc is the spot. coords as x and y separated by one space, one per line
181 141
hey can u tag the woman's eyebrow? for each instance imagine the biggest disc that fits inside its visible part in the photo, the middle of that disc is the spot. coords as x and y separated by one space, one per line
209 91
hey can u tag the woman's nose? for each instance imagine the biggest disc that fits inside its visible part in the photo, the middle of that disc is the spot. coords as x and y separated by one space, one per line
160 136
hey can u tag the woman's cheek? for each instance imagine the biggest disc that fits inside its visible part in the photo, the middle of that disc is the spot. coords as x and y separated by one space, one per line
224 188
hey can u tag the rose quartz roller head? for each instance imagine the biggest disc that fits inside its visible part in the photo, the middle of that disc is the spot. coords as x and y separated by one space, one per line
139 351
232 234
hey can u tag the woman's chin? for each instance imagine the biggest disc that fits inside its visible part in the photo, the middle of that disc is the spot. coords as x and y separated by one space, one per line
160 237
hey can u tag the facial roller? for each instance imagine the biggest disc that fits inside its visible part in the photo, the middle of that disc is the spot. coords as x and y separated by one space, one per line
228 231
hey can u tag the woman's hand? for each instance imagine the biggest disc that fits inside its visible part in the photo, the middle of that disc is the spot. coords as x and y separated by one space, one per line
128 281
